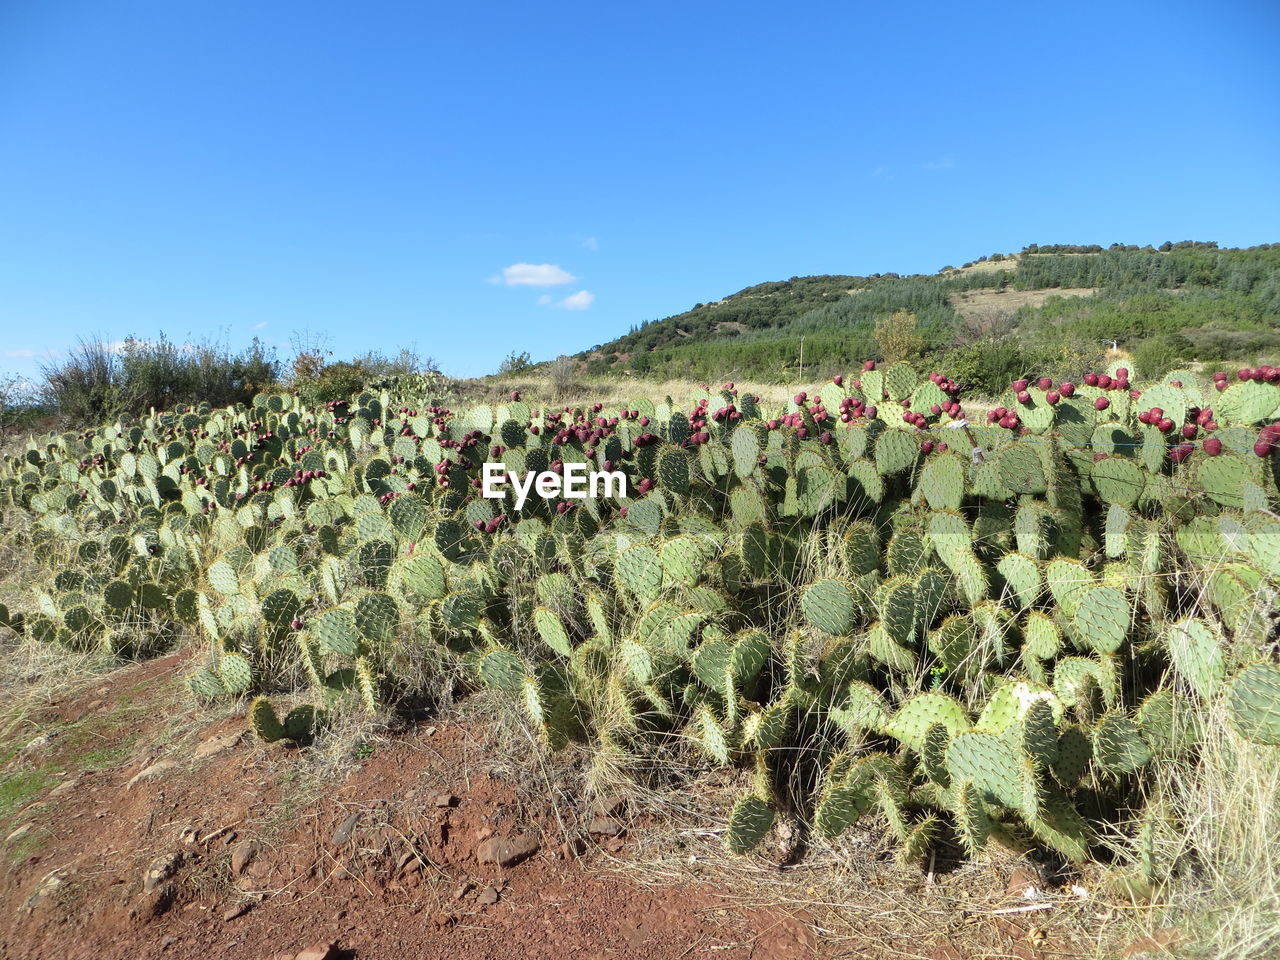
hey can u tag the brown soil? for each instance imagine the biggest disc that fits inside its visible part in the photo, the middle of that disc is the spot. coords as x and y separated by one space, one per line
381 862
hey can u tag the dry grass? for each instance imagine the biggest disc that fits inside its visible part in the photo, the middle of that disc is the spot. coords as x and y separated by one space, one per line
1219 816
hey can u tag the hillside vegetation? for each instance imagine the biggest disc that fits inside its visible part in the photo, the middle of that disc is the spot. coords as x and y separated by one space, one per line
1170 306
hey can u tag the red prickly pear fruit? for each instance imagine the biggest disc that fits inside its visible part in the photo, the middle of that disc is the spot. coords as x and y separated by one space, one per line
1067 389
1189 430
1122 372
825 437
479 525
1220 384
1101 403
1098 457
622 512
800 397
1244 373
514 395
644 421
942 447
838 380
1090 379
869 365
1164 425
1024 397
935 409
872 411
1019 386
1105 382
1263 448
772 424
295 623
1176 383
1212 446
1052 397
1181 452
1044 383
926 446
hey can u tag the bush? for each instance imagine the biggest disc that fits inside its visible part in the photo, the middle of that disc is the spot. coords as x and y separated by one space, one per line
100 381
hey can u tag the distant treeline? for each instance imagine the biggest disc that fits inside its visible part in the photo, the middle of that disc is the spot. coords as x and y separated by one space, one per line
1167 305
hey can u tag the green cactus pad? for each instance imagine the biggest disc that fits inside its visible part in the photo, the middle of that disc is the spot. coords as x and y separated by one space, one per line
1197 656
895 451
829 605
1102 618
942 481
1253 703
749 823
1118 480
913 720
552 631
335 632
264 723
376 617
1118 745
235 672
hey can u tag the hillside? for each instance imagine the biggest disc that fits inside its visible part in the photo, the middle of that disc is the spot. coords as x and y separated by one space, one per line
1051 308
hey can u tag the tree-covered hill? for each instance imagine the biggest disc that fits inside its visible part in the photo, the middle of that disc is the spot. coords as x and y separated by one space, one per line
1048 308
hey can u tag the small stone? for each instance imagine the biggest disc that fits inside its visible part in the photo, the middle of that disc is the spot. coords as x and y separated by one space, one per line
156 901
1025 884
463 890
320 951
152 772
48 885
39 744
239 910
161 869
605 827
63 789
342 836
409 862
572 849
18 834
507 851
216 745
488 896
446 800
244 854
608 806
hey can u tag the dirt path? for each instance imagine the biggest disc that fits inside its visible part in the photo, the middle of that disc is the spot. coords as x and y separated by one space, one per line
138 826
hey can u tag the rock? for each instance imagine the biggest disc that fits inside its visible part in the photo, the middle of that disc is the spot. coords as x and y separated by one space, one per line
446 800
48 884
342 836
605 827
18 834
239 910
1025 883
507 851
243 854
216 745
39 744
63 789
488 896
161 869
152 772
608 806
320 951
463 890
156 901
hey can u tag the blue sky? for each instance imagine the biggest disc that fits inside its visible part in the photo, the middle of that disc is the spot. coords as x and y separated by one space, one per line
482 178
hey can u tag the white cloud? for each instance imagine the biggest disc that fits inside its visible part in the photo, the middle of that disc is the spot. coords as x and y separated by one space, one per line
591 243
533 275
545 299
578 301
21 354
260 326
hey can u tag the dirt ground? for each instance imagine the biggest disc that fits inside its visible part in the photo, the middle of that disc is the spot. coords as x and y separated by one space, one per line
135 824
